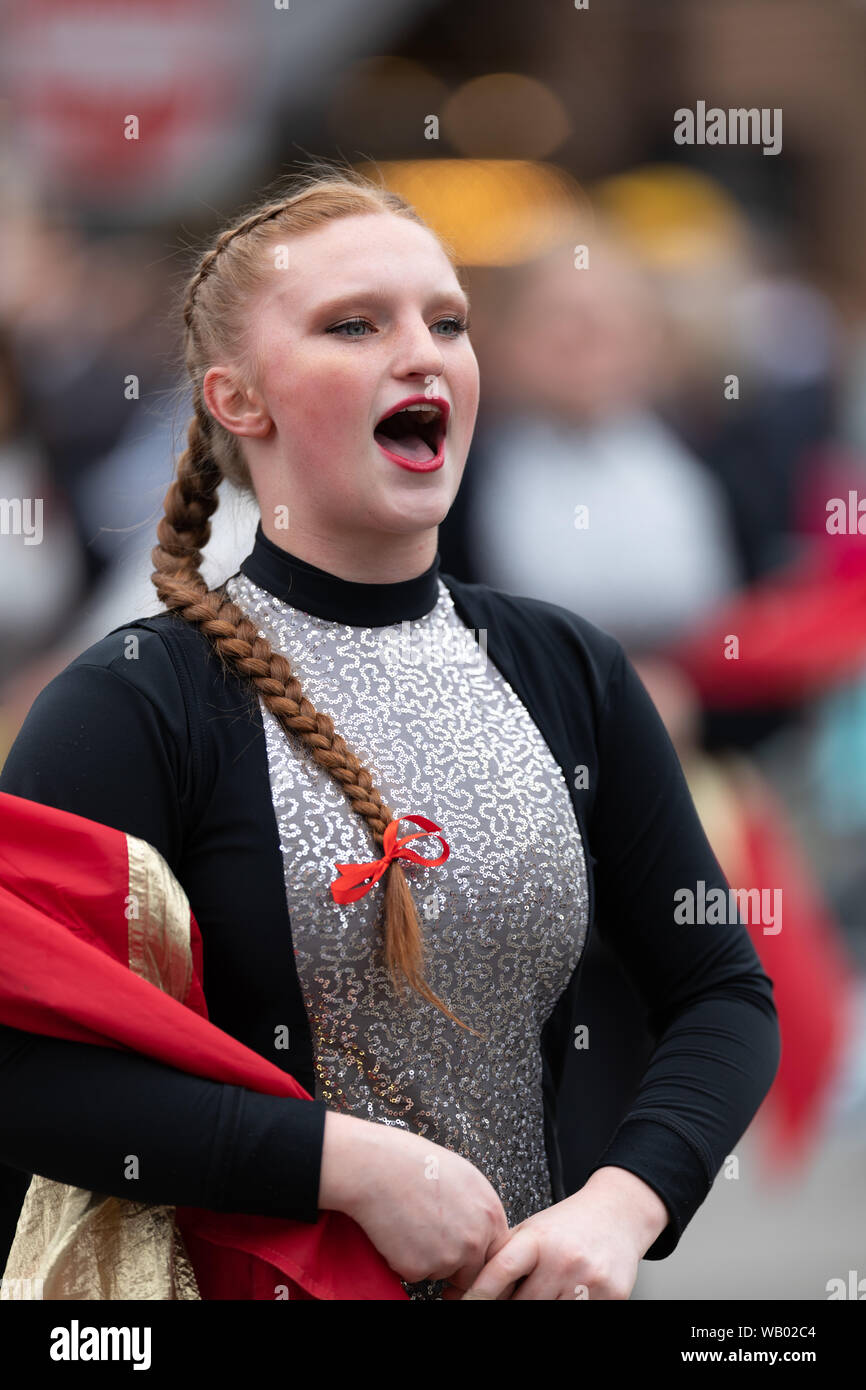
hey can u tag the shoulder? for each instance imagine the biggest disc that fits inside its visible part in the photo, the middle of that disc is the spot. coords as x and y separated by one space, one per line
115 737
139 656
159 654
541 630
150 668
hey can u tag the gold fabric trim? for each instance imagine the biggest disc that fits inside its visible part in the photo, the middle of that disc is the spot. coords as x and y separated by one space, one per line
73 1244
158 915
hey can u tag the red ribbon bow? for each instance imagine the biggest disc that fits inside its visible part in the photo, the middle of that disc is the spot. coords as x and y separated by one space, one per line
352 884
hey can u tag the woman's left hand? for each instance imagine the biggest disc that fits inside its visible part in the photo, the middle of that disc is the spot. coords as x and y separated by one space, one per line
588 1246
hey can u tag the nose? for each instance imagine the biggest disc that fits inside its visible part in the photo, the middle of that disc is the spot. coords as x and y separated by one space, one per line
416 352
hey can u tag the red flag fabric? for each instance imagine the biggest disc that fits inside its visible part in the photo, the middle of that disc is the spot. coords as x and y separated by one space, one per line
82 939
801 630
788 639
813 979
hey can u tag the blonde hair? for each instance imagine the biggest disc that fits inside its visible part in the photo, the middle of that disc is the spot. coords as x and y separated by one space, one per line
216 318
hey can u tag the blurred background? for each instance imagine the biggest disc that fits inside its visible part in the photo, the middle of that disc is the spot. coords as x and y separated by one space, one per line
672 434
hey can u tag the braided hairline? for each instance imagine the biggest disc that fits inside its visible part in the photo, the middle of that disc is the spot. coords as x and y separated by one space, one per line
255 220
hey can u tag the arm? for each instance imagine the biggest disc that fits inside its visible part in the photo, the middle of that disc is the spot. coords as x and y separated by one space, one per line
710 1002
75 1111
107 739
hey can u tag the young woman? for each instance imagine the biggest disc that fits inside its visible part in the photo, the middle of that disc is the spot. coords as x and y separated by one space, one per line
272 735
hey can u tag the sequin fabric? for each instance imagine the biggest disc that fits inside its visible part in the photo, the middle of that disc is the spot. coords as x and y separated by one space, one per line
504 919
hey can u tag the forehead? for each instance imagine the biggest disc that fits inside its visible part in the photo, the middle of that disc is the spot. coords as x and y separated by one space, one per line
362 252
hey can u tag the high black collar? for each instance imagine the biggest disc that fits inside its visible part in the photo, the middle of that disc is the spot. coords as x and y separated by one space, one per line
322 594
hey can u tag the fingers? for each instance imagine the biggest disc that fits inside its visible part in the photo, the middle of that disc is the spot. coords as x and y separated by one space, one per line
456 1291
464 1278
505 1235
516 1259
538 1286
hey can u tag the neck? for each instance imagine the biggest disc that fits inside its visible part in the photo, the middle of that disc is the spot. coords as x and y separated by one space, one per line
384 560
325 593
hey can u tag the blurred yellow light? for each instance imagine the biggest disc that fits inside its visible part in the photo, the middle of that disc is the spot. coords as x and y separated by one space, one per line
672 216
492 212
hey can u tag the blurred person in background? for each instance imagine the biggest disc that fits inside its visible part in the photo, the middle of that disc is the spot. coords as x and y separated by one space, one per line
753 347
92 353
783 444
42 569
757 387
93 369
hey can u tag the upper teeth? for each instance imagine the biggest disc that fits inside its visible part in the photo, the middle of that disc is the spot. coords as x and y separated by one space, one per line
429 410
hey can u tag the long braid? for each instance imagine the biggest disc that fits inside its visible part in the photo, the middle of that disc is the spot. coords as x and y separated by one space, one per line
183 533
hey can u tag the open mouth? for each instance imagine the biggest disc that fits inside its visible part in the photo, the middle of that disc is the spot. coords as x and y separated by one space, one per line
415 432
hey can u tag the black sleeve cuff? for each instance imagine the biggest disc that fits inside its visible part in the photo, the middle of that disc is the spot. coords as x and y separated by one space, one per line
275 1162
669 1165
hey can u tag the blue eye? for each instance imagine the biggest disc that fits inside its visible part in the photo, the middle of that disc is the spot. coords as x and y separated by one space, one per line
459 325
350 323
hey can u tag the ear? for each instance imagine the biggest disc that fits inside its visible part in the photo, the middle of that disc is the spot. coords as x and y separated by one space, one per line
241 410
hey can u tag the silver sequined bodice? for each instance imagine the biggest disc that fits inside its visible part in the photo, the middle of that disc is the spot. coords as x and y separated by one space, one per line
504 918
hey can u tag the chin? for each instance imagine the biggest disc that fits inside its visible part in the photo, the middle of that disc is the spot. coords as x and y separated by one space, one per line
406 515
407 523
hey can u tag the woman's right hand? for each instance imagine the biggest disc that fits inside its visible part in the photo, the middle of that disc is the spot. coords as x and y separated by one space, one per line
428 1211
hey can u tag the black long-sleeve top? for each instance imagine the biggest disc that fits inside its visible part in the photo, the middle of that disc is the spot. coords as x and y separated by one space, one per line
166 747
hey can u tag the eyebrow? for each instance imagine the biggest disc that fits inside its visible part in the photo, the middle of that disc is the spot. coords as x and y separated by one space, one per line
378 296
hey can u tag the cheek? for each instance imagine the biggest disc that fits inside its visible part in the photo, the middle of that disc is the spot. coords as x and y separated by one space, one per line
323 404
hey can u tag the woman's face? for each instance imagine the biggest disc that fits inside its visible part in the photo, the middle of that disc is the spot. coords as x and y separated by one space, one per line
367 313
580 344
